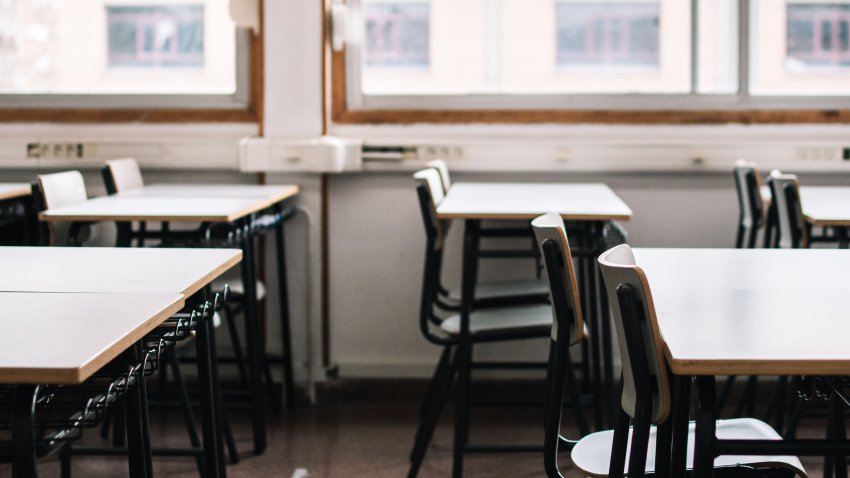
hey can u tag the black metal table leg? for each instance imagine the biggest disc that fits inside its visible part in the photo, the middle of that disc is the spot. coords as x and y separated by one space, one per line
218 409
464 348
704 449
283 297
681 412
207 397
255 345
137 442
23 432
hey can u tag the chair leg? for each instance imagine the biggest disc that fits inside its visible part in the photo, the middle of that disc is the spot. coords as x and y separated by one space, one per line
274 400
65 461
229 317
574 393
663 448
640 440
619 446
794 418
185 403
429 421
429 393
464 360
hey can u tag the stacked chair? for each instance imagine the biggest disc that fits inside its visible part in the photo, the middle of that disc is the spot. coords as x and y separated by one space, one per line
442 325
120 175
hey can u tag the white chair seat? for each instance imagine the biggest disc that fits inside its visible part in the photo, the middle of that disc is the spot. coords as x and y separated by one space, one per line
502 318
506 288
592 453
237 287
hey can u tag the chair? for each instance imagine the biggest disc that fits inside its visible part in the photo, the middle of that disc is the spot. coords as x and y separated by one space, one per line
750 204
57 190
792 231
497 293
123 174
646 397
567 330
457 336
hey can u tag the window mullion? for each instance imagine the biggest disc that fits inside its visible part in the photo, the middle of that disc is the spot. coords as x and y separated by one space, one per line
744 50
694 46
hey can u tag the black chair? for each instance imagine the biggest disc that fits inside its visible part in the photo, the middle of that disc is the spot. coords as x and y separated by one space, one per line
567 330
750 204
646 395
458 336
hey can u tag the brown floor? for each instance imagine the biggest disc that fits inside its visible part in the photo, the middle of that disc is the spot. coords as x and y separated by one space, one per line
353 437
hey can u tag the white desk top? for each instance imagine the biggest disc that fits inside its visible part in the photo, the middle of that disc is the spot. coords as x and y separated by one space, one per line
112 269
270 192
14 190
826 206
591 202
65 338
751 312
178 209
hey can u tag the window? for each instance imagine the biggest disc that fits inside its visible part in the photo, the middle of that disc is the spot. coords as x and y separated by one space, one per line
396 34
613 34
151 36
122 54
594 55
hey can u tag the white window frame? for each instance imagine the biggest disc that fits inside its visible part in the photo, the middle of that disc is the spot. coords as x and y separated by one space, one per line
356 100
238 100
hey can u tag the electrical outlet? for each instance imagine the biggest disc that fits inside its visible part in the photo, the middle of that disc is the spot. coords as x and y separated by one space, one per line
818 153
55 150
435 151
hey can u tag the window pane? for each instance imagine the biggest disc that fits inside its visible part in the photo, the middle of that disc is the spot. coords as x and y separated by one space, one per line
800 48
106 47
422 47
717 46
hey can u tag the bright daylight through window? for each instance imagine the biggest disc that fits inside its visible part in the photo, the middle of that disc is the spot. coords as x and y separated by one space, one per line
130 47
407 48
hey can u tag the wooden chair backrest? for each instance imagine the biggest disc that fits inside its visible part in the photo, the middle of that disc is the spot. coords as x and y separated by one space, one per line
62 189
620 270
57 190
125 174
430 179
785 192
563 287
440 165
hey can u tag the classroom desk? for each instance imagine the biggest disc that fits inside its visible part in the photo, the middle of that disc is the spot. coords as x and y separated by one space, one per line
63 339
16 217
586 208
119 271
749 312
247 210
828 206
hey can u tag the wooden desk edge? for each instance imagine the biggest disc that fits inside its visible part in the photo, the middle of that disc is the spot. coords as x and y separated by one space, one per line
68 376
48 217
18 193
212 275
827 222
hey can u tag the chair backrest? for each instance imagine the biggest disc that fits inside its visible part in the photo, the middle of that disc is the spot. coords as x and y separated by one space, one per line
558 262
645 373
121 175
750 205
785 193
57 190
443 169
431 193
62 189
